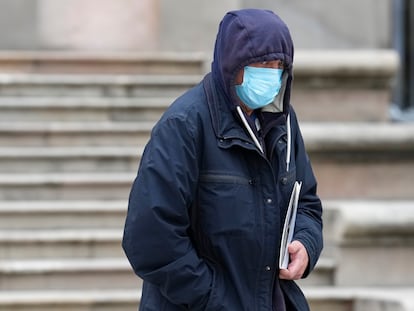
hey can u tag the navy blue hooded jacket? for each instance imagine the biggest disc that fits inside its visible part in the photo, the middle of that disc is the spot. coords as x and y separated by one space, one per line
207 207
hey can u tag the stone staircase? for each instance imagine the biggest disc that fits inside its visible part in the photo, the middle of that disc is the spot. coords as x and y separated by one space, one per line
73 127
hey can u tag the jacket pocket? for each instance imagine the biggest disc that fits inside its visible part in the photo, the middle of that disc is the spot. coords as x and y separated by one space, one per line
226 204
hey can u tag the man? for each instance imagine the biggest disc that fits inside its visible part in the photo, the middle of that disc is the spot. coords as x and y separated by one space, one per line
207 208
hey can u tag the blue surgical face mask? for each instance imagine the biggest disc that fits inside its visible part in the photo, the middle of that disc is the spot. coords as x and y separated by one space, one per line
260 86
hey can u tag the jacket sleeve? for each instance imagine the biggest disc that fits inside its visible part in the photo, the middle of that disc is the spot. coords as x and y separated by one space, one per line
156 239
308 229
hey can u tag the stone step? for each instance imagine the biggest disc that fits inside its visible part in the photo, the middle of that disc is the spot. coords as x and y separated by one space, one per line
82 85
75 134
45 229
322 275
94 215
76 62
66 186
73 215
365 160
86 109
69 159
76 229
373 236
320 299
71 300
81 244
362 160
344 85
323 80
47 245
60 243
67 274
360 298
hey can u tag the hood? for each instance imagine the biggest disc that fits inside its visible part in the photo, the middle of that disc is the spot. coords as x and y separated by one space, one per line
248 36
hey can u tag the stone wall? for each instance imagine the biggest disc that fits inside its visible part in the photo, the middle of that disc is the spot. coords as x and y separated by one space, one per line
98 24
126 25
339 24
184 25
18 24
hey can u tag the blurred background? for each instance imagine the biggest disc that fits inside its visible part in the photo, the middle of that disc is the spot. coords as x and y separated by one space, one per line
83 82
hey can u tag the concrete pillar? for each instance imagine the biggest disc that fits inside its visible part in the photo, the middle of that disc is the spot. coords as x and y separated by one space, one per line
99 24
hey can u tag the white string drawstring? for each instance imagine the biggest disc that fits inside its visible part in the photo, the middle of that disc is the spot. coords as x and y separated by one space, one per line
256 142
247 126
289 141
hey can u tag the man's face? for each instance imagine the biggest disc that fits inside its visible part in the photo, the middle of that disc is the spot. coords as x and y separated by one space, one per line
275 64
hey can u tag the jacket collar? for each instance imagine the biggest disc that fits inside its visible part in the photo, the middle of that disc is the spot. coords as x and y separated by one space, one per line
224 119
227 124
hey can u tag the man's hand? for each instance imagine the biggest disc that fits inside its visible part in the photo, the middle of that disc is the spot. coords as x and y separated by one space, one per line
298 262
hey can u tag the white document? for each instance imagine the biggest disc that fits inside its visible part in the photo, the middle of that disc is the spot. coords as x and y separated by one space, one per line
289 226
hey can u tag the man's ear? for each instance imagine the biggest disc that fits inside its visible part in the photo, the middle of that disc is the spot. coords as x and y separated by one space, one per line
239 77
